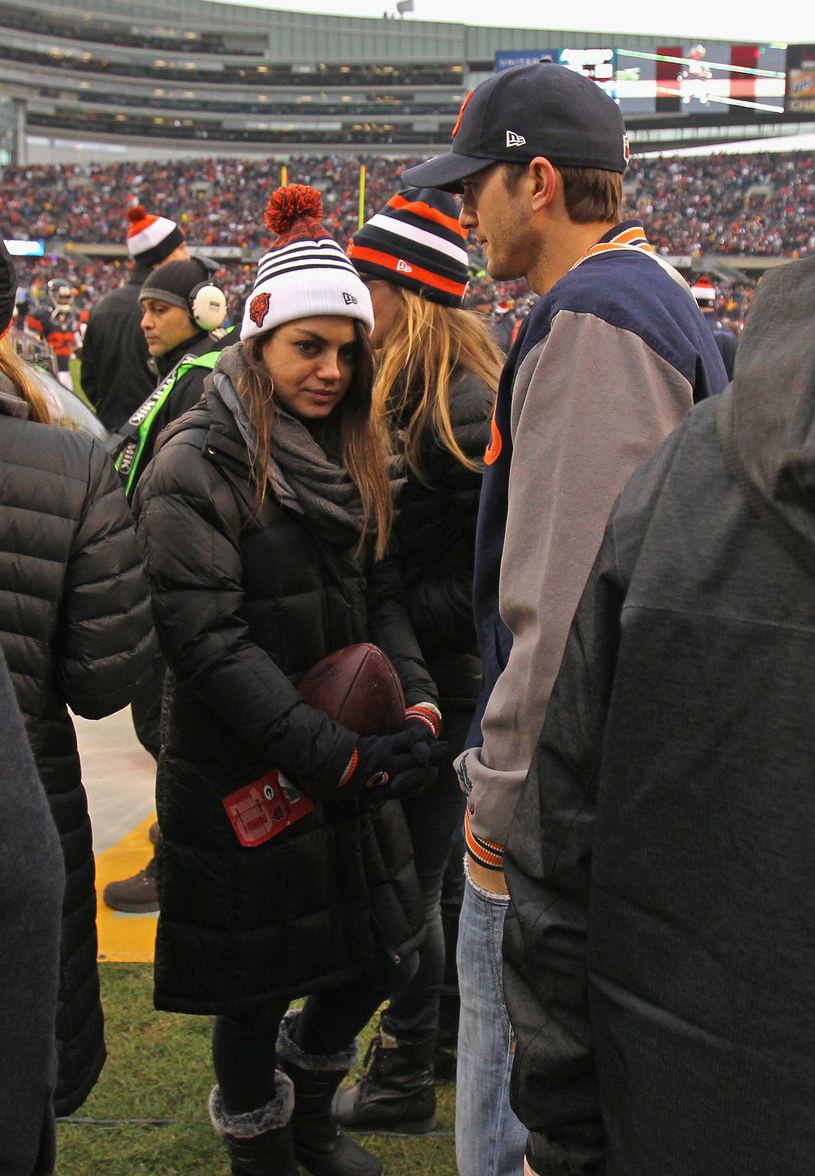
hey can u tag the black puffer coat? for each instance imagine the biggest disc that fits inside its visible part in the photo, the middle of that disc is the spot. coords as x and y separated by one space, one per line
76 630
435 530
244 605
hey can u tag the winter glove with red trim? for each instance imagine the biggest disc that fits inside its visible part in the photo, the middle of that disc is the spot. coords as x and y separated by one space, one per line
426 714
387 766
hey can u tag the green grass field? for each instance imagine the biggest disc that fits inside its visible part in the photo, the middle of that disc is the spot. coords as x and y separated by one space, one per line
148 1112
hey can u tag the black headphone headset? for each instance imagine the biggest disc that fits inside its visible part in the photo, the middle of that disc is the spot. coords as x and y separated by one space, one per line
207 306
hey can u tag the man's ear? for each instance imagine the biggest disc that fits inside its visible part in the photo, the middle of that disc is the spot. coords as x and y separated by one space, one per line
544 178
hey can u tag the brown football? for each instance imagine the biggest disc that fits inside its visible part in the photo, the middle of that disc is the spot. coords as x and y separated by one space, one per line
358 687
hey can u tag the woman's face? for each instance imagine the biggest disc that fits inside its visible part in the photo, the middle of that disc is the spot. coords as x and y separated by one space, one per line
387 303
311 362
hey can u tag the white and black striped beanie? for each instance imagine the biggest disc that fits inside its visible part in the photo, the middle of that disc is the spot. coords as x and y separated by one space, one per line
305 272
416 242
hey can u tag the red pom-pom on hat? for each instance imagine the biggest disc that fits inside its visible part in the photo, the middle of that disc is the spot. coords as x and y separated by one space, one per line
137 213
294 203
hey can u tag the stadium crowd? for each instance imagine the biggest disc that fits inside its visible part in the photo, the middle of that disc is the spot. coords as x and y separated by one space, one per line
753 204
761 204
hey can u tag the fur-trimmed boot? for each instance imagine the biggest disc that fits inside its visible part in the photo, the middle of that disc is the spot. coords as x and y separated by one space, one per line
319 1145
396 1092
259 1142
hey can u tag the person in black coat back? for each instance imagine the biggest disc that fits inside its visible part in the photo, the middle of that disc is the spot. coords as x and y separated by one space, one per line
263 520
182 316
76 630
32 878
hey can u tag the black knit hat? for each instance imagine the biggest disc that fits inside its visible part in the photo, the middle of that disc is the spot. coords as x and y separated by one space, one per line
518 114
174 281
8 288
416 242
187 284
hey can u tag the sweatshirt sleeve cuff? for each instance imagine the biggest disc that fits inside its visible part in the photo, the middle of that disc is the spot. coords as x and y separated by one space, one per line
488 854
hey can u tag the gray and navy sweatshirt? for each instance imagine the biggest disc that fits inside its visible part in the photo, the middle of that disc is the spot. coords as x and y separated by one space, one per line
608 362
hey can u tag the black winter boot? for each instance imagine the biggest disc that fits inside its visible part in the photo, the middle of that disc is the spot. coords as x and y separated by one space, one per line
445 1058
259 1142
396 1091
319 1145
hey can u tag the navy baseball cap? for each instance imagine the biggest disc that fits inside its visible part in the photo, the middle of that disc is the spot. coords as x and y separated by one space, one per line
518 114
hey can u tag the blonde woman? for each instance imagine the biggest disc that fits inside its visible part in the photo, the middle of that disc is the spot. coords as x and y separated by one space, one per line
437 372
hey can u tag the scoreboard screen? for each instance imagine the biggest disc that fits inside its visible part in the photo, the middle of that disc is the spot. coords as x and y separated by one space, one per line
686 78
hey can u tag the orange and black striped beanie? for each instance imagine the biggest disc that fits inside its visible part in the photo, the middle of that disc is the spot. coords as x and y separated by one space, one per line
416 242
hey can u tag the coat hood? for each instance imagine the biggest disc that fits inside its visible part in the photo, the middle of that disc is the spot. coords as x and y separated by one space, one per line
767 415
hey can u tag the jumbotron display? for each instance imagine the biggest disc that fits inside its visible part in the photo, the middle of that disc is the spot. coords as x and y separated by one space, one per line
685 78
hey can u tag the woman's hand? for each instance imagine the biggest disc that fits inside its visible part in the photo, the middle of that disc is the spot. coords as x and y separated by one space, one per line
386 766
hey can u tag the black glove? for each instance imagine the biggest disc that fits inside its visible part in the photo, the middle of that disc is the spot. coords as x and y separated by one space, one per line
384 766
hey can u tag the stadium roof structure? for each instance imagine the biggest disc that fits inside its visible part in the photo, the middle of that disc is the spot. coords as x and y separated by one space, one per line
213 78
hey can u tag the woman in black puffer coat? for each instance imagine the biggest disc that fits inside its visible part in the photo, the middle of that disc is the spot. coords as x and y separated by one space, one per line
76 630
263 519
437 371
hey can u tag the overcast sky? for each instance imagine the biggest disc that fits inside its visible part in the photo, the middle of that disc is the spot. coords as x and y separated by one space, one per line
745 20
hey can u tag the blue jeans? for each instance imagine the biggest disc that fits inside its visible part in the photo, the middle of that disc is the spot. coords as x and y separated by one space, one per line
490 1139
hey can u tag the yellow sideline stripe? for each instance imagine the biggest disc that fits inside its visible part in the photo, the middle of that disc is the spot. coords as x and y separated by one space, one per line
125 939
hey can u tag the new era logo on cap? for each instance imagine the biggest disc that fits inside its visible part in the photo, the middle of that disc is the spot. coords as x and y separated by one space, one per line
349 299
515 140
403 267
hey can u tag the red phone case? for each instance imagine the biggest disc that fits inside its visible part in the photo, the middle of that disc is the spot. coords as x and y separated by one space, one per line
265 808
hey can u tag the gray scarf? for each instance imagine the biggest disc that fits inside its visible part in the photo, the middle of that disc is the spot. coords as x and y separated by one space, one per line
302 477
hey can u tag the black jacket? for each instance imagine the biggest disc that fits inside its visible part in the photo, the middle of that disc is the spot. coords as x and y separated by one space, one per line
114 371
32 880
245 603
435 531
659 955
76 630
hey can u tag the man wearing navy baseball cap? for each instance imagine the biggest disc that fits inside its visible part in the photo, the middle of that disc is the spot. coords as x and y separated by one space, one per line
608 361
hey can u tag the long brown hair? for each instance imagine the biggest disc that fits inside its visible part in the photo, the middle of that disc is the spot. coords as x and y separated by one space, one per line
13 367
415 365
349 433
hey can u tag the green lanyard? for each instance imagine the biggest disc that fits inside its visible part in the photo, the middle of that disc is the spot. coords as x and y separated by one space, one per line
127 463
